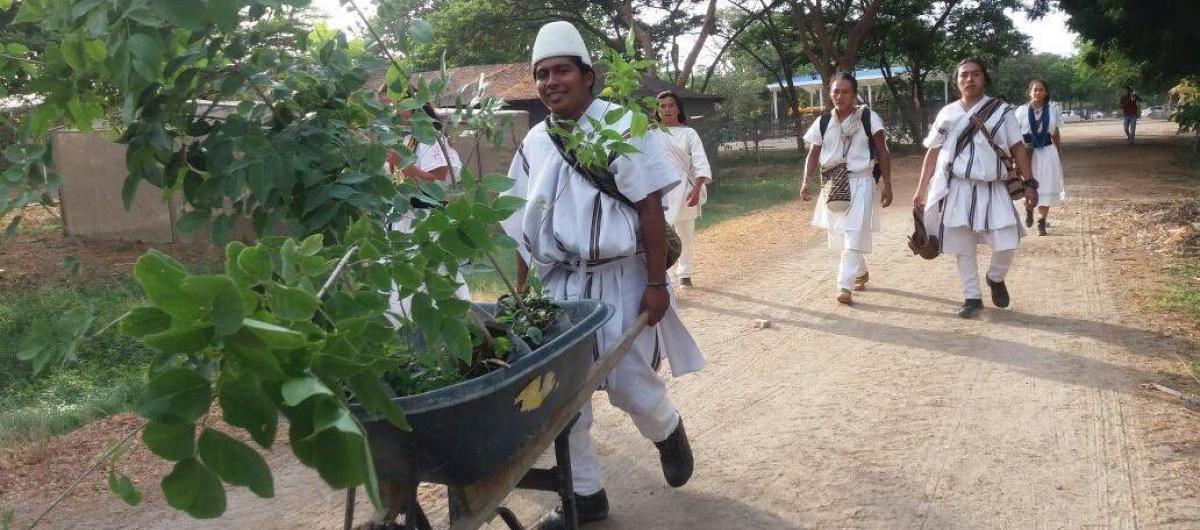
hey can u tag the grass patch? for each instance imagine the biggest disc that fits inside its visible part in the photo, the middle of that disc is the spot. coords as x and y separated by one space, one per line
108 377
1182 295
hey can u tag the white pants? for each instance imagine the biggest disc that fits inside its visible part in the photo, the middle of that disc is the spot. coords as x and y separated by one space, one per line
968 271
852 266
687 237
634 381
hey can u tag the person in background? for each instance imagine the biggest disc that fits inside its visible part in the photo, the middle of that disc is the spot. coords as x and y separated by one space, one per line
1040 120
684 202
841 136
429 164
1129 107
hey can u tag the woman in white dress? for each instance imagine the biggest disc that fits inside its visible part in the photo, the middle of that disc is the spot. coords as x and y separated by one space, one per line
1040 120
686 152
429 164
841 137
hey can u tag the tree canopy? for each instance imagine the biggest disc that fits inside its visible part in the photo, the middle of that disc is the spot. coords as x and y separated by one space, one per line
1159 39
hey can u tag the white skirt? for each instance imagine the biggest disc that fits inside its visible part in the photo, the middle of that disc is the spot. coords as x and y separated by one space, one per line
1047 169
851 228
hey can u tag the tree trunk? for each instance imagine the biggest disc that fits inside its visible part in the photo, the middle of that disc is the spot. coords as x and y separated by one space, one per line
710 21
639 32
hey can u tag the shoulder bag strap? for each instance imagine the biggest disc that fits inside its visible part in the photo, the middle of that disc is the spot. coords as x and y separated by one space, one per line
601 179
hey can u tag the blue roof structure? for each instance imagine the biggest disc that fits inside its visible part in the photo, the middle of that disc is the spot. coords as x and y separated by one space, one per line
872 76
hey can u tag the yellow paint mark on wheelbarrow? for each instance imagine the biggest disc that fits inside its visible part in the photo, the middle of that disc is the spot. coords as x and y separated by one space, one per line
535 392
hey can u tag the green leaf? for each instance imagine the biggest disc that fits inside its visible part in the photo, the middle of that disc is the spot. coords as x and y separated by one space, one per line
187 338
228 309
5 4
497 183
224 13
181 13
245 405
256 262
312 245
178 395
370 392
276 337
236 463
195 489
423 129
161 277
142 321
298 389
172 441
457 338
290 303
123 487
640 125
224 300
146 53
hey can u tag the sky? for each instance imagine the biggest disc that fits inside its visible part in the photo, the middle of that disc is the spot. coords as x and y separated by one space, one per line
1050 34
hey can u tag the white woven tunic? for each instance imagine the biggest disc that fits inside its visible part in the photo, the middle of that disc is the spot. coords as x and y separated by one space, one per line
585 245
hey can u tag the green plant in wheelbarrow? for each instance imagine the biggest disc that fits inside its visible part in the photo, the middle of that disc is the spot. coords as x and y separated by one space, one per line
298 324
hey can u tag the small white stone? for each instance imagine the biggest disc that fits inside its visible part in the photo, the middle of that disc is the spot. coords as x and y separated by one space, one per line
762 323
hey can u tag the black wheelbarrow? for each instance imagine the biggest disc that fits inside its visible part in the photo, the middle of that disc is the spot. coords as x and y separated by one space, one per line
482 437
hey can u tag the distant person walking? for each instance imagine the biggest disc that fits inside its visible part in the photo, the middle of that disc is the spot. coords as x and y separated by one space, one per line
1040 120
848 140
686 152
1129 107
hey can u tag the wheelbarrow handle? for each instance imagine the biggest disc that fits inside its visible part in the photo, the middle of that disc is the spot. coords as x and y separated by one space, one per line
484 497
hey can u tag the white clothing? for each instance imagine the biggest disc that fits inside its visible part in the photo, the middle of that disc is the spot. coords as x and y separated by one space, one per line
852 265
968 271
1047 167
686 152
687 238
851 228
427 158
967 203
655 424
568 225
858 157
557 39
584 245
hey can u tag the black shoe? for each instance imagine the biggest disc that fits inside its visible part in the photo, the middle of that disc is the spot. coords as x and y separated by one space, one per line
1029 218
1041 227
588 508
675 453
999 293
686 282
970 308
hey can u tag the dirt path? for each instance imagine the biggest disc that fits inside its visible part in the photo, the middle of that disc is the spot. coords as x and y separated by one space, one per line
893 413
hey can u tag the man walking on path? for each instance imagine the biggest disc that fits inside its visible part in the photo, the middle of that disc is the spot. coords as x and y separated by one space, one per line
1129 107
854 137
962 188
587 244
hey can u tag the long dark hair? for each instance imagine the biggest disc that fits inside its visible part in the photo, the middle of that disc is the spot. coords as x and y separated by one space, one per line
987 77
427 107
678 105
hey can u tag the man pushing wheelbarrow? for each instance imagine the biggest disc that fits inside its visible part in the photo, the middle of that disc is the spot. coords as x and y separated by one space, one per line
598 233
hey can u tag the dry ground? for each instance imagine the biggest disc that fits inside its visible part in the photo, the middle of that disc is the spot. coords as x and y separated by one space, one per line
893 413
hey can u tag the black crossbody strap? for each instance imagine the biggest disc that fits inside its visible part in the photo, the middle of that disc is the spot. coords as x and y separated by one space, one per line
600 178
